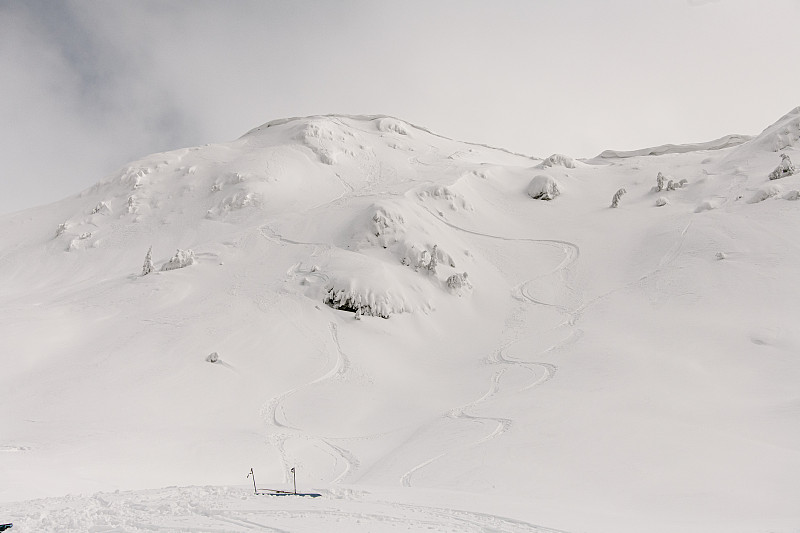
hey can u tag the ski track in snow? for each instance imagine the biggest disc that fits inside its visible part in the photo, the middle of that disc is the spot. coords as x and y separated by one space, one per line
274 406
546 370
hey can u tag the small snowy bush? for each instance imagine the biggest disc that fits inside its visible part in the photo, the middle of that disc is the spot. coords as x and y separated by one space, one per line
213 357
181 259
661 202
792 196
457 281
543 188
101 208
770 191
706 205
61 229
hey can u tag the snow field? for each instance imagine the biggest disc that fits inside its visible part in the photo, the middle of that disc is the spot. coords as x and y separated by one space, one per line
629 369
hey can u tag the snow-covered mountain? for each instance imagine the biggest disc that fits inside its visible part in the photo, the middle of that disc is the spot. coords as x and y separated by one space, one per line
393 314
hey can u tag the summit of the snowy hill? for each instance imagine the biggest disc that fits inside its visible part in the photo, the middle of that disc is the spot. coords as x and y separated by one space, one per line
429 333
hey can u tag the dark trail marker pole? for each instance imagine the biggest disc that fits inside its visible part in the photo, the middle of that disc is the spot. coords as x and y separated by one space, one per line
294 478
254 480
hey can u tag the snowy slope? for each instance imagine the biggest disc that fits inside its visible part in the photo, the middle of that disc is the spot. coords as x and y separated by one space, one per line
596 369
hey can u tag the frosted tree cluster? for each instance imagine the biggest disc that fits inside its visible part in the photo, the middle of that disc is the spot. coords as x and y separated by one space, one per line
617 196
355 302
665 183
786 168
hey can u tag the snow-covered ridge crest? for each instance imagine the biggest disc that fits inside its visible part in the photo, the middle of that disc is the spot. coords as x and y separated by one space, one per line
718 144
384 123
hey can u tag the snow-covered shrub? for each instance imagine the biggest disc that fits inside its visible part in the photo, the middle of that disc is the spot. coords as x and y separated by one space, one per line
543 188
240 200
721 256
769 191
458 281
148 267
617 196
389 124
61 229
101 208
387 226
706 205
792 196
213 357
557 160
181 259
661 202
786 168
439 192
78 242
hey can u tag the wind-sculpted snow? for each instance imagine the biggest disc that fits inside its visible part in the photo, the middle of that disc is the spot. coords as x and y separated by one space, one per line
386 313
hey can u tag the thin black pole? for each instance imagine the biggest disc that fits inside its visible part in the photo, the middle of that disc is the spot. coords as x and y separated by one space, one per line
294 477
254 480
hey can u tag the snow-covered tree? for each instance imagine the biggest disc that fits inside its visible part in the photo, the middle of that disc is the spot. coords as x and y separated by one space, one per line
434 262
660 182
148 262
61 229
617 196
423 261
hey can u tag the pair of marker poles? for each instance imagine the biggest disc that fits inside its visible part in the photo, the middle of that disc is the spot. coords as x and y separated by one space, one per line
268 491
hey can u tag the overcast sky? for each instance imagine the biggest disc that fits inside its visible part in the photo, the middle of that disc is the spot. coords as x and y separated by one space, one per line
86 86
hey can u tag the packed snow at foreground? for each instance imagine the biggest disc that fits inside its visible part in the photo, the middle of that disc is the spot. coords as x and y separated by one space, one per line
217 509
432 335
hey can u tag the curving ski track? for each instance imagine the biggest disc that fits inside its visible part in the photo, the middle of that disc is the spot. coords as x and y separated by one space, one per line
546 370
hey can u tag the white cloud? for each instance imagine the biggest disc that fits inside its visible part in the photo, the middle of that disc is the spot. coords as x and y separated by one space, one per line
96 84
